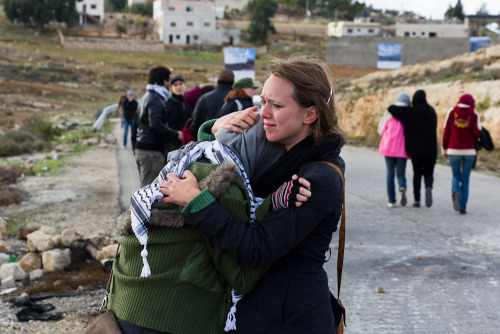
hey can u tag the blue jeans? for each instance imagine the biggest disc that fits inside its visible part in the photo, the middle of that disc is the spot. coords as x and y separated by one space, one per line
126 124
399 166
461 166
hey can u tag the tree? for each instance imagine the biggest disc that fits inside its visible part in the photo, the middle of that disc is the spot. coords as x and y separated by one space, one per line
457 11
260 24
41 12
483 10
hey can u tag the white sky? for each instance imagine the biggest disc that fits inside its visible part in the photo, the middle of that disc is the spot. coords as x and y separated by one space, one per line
435 9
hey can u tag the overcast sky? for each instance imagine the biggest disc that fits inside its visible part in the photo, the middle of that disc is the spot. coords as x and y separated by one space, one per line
435 9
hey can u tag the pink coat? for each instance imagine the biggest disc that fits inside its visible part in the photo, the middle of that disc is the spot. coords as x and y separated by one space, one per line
392 143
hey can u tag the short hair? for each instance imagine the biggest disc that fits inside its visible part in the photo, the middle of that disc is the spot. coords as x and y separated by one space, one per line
158 74
312 83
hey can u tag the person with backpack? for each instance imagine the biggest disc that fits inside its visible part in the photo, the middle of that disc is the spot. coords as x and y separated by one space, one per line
129 107
239 98
461 128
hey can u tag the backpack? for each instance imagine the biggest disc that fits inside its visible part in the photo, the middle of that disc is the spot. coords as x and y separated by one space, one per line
485 141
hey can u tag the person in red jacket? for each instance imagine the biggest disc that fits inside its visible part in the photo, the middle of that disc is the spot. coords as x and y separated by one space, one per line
461 127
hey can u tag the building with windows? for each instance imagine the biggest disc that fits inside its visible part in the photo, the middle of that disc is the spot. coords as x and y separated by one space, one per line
433 30
90 11
190 22
352 29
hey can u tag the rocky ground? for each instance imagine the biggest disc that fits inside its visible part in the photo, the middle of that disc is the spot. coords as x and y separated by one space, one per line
83 197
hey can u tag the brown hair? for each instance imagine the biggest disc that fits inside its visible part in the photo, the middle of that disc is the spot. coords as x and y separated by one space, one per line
236 93
312 83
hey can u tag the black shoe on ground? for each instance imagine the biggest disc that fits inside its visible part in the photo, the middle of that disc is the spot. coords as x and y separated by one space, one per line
416 204
428 197
463 212
403 196
456 200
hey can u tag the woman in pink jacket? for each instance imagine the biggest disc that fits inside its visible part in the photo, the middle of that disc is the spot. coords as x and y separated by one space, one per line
461 127
392 146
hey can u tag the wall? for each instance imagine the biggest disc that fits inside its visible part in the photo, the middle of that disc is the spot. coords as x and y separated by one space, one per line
112 44
362 51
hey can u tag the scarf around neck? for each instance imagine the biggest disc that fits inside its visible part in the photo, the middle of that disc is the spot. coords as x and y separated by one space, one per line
160 90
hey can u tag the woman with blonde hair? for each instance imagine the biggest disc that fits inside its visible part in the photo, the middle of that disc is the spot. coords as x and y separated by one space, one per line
298 111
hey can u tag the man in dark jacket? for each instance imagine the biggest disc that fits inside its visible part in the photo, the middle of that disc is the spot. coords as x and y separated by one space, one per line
210 103
419 122
151 132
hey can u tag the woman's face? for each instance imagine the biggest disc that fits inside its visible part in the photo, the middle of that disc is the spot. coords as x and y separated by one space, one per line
179 87
249 91
285 121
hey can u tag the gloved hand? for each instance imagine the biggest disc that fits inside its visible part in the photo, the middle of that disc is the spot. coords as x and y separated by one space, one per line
291 194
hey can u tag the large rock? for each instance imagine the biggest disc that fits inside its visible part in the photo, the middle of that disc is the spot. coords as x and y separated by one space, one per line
109 251
3 229
39 241
56 259
30 261
8 283
4 258
48 229
68 236
36 274
12 269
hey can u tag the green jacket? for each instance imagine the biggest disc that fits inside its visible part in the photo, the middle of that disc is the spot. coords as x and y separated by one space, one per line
189 290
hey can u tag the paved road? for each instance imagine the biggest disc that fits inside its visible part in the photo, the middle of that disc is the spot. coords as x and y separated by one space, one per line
440 270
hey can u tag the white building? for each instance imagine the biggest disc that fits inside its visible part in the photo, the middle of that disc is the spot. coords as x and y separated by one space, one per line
190 22
352 29
90 11
433 30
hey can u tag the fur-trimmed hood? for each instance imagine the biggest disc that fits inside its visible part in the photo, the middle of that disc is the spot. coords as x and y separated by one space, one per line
216 183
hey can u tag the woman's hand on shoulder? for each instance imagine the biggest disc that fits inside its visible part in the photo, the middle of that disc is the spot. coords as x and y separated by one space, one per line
179 191
237 121
291 194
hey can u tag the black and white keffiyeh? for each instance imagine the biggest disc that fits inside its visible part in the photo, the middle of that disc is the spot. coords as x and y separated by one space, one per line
161 90
142 199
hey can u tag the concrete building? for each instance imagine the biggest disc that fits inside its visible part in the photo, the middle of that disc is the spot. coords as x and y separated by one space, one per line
433 30
352 29
90 11
190 22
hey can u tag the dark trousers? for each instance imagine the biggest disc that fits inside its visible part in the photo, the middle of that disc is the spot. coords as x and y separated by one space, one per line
422 167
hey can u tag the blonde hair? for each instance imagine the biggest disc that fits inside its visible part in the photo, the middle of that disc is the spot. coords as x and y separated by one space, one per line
313 85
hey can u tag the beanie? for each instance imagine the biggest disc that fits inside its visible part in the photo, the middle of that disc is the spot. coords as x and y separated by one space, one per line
130 93
177 77
403 99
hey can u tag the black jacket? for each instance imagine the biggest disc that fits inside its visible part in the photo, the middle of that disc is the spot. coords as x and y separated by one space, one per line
129 109
151 131
208 106
419 122
231 105
177 115
293 296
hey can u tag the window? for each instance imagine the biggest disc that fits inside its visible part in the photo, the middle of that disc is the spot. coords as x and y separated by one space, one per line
93 6
195 37
407 34
189 9
423 33
189 24
171 9
207 24
172 24
177 36
414 33
432 34
349 31
370 31
359 30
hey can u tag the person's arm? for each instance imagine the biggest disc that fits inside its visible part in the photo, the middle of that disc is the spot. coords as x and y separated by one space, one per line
277 233
383 122
156 124
446 133
400 113
476 125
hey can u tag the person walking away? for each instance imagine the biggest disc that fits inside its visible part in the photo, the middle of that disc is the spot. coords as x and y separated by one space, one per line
419 122
210 103
129 107
239 98
151 132
178 112
461 127
392 147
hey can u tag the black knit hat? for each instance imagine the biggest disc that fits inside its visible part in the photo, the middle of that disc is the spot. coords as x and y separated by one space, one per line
177 78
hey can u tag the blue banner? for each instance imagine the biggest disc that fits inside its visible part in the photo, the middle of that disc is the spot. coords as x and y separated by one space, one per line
389 56
241 61
477 43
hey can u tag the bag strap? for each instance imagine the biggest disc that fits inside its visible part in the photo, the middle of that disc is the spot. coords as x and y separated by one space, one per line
104 305
340 255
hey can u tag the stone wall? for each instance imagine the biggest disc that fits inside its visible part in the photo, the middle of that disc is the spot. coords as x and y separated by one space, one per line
362 51
114 44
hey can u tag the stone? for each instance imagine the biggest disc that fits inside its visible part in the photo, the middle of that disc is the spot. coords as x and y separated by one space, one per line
12 269
56 259
8 283
48 229
4 258
4 247
39 241
36 274
30 261
99 255
379 289
68 236
109 251
3 229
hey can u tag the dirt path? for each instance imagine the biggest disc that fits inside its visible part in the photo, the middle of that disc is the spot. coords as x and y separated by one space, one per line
84 196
